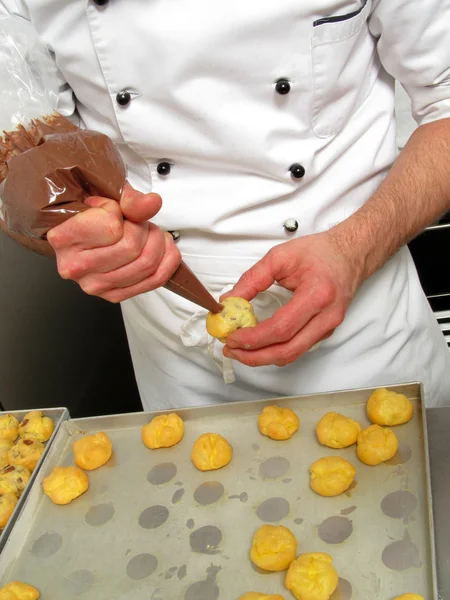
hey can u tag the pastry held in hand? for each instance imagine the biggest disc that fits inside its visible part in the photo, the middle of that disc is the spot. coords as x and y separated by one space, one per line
92 451
17 590
36 427
236 313
312 576
65 484
273 548
386 407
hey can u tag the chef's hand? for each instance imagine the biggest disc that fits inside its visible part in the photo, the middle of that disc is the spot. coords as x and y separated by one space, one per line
115 257
323 280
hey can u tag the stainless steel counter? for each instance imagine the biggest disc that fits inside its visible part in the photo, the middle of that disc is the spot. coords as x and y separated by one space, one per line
439 444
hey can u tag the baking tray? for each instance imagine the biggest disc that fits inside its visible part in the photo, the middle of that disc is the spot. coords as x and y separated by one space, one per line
147 530
58 415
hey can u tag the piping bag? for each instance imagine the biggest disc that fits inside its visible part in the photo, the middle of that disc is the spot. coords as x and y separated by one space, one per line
47 169
48 165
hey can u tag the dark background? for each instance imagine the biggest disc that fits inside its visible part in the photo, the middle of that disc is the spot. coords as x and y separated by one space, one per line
58 346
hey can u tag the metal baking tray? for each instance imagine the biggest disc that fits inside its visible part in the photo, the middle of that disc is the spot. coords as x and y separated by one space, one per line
153 527
58 415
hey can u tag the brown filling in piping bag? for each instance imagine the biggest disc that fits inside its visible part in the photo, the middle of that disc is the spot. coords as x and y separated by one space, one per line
50 167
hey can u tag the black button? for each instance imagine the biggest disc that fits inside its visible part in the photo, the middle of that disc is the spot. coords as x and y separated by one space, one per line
297 171
163 168
123 98
283 86
101 2
291 225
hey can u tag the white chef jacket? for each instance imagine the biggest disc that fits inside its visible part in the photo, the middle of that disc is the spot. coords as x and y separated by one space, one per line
204 98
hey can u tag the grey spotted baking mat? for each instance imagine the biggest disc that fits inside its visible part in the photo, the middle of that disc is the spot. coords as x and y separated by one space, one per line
152 527
58 415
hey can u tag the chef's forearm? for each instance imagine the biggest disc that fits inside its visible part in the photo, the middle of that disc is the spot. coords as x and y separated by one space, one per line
39 246
414 195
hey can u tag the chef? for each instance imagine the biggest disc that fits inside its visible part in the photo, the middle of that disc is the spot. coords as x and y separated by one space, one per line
267 129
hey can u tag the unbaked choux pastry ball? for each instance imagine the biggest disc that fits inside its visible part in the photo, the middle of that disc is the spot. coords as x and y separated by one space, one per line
26 453
409 597
7 505
331 476
278 423
64 484
92 451
376 445
13 479
5 446
274 548
236 313
337 431
259 596
312 576
16 590
163 431
211 451
9 427
36 427
385 407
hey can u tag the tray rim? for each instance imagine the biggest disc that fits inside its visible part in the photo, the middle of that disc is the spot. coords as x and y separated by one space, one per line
228 406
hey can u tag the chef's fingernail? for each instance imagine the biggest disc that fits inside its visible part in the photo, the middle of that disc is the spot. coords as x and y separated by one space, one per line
228 353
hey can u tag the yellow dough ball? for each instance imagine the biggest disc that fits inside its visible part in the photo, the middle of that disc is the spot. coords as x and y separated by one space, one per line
236 313
409 597
278 423
5 446
389 408
9 427
13 479
7 505
211 451
376 445
64 484
331 476
259 596
92 451
26 453
163 431
337 431
16 590
312 577
36 427
273 548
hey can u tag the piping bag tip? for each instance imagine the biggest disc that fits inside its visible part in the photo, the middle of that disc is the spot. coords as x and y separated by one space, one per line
186 284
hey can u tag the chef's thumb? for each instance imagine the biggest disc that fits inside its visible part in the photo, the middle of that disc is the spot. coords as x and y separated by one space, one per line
139 207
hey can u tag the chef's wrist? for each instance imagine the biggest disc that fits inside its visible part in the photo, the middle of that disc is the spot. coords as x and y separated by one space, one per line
355 248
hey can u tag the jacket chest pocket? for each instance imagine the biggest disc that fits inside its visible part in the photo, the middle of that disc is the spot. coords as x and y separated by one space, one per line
343 67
